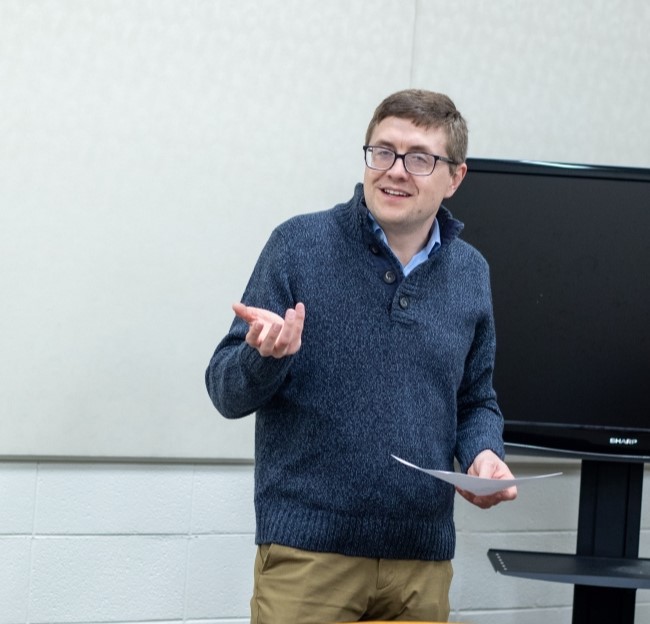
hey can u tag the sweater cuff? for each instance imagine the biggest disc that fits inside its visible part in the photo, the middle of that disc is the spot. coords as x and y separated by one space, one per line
264 371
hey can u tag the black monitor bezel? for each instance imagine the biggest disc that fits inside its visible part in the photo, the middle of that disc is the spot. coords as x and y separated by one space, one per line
571 440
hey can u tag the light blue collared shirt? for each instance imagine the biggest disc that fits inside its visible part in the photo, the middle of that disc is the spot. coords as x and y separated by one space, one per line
432 244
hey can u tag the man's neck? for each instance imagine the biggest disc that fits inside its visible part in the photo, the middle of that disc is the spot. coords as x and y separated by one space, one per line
406 244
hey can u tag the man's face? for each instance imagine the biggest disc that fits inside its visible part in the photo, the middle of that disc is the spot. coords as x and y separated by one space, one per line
404 204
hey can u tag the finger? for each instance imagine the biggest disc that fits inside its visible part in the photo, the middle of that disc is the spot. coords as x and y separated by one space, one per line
299 323
258 333
494 499
290 338
483 502
283 338
479 501
300 313
243 312
297 326
487 469
254 335
268 344
466 495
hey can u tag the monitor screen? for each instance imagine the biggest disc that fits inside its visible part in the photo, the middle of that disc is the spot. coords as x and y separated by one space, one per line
569 254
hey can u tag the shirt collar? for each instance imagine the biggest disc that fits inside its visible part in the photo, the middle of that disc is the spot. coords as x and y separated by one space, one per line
433 243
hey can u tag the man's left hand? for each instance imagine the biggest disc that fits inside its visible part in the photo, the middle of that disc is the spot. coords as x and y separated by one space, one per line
488 465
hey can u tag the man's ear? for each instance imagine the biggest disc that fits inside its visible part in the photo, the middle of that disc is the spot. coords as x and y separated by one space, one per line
456 179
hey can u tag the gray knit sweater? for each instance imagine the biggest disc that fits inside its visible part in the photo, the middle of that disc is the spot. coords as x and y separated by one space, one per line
388 365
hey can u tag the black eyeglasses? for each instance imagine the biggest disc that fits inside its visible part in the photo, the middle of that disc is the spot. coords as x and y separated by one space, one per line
416 163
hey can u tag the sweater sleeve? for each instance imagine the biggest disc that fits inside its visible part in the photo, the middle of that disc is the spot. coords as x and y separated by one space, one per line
480 422
238 379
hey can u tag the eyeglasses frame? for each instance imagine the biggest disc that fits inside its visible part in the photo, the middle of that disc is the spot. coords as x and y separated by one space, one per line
435 157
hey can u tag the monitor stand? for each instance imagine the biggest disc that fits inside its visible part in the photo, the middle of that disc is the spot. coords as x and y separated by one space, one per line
605 570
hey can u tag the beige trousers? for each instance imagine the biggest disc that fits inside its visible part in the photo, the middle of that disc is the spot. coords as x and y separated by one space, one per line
301 587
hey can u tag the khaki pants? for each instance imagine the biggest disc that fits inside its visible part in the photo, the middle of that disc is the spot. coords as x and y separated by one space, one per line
301 587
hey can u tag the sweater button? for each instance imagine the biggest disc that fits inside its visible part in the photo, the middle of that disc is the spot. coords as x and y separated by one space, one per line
374 249
404 302
389 277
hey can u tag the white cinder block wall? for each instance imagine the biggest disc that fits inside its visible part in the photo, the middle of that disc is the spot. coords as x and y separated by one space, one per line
170 543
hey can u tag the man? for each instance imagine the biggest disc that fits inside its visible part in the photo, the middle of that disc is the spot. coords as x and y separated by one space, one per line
365 331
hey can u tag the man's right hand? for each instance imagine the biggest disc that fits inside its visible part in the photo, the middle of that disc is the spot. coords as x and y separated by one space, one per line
271 334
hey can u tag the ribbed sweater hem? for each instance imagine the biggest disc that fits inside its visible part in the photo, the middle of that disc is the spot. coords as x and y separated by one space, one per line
362 536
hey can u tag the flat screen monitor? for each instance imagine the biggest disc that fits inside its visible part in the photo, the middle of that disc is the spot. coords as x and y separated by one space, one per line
569 254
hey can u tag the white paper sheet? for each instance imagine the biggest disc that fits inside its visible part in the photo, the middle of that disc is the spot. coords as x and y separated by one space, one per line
480 486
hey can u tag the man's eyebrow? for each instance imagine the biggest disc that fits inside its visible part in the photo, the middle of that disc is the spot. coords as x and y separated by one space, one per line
412 148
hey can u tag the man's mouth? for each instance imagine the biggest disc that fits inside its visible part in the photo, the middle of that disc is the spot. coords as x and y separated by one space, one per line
395 193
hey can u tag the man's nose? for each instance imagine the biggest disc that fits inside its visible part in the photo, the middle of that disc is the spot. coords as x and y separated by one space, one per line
399 166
